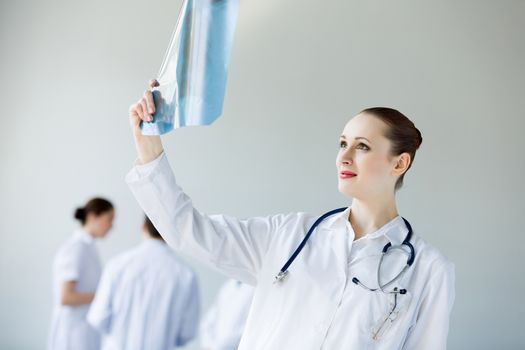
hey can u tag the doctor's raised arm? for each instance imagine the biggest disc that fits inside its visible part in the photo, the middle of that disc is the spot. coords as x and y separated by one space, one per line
235 247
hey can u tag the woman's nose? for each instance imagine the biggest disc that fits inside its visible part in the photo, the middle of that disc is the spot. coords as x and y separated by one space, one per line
346 159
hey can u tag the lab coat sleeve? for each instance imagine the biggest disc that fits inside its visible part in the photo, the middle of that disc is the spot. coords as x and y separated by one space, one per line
190 321
100 313
430 331
233 246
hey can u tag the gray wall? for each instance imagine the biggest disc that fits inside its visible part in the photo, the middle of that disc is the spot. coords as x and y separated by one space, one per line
300 68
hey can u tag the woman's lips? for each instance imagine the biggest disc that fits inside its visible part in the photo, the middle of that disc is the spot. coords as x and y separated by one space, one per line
346 174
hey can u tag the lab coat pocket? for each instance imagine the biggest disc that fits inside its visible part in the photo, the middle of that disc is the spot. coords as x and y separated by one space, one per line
392 312
382 314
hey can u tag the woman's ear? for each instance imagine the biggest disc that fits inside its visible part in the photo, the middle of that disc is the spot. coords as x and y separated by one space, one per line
402 164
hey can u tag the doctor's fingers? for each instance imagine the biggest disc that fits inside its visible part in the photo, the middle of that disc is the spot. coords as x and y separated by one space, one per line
136 113
146 115
150 103
148 95
134 116
152 83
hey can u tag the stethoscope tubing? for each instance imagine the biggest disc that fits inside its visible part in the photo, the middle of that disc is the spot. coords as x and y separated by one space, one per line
406 242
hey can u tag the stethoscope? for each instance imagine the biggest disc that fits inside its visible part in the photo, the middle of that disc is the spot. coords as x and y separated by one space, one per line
386 249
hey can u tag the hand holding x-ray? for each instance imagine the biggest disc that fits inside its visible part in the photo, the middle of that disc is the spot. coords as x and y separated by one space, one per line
192 78
148 147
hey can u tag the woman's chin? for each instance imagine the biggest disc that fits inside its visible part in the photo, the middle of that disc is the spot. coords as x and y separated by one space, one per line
346 190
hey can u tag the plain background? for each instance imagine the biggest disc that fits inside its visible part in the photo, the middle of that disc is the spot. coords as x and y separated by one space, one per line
299 70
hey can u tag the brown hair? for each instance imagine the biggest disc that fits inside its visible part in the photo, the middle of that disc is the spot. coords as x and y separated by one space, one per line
96 206
151 229
401 132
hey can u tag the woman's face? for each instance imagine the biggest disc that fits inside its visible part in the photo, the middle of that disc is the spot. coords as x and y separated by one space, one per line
99 225
364 165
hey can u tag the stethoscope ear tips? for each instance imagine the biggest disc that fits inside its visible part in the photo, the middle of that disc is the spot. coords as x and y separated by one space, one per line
355 280
403 291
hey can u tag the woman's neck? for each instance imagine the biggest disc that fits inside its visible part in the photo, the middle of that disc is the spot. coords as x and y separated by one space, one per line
89 230
369 217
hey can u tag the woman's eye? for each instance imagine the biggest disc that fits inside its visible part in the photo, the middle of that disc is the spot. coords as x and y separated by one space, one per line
342 144
363 147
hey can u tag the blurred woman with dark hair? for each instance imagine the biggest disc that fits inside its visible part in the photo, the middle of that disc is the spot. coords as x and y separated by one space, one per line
76 272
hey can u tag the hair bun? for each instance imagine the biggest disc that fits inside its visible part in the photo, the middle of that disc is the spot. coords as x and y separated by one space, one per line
80 214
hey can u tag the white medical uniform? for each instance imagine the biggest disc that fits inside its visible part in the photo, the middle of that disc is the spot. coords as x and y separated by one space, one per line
317 306
76 260
147 299
223 324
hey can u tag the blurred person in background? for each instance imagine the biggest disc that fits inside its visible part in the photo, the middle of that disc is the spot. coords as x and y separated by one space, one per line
222 326
76 273
147 299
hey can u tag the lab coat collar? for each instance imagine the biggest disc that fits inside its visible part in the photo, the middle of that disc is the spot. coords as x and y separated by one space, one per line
154 243
84 236
395 230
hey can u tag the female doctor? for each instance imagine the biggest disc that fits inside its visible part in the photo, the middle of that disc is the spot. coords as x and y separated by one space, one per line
76 272
361 280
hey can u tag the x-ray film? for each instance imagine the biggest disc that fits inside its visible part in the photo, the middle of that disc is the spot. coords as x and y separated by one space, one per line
192 78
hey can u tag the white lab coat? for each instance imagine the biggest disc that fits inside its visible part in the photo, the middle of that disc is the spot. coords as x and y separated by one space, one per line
317 306
76 260
222 326
146 300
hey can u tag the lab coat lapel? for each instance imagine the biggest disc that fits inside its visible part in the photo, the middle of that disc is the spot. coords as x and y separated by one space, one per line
338 240
334 238
334 241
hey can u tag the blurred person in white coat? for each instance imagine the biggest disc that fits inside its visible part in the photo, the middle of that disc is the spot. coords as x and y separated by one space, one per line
147 298
76 273
357 277
223 324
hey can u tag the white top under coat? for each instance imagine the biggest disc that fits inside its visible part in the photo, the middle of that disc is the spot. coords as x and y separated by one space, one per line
316 306
76 260
147 299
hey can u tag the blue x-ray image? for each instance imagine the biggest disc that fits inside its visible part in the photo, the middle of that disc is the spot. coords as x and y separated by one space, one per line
192 78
